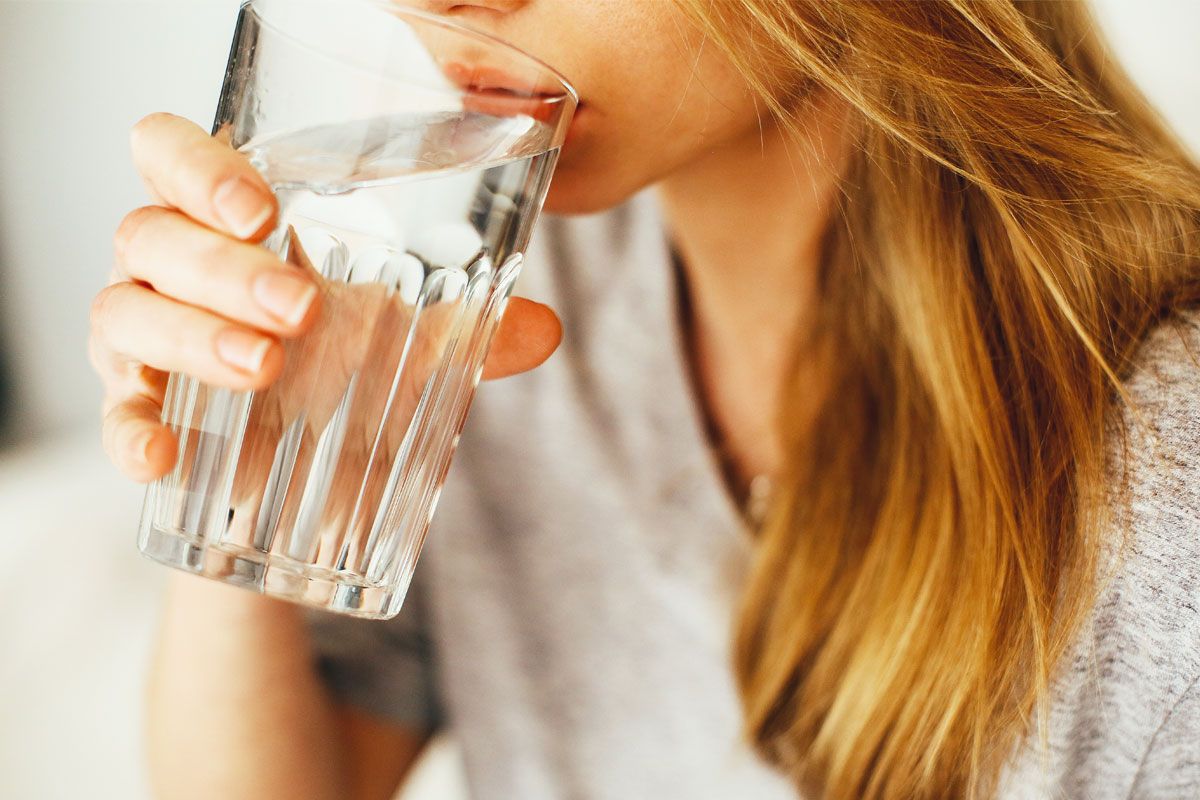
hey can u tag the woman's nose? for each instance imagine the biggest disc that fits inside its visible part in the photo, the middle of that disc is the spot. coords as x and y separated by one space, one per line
448 7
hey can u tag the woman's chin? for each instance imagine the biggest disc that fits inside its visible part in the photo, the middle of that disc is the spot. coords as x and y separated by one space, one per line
573 192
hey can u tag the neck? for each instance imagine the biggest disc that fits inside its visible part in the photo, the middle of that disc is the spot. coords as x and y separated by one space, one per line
747 222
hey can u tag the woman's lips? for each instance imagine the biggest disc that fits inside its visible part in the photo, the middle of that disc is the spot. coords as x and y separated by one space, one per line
481 78
488 90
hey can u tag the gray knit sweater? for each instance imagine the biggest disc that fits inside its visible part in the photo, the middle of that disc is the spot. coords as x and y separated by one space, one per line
1126 718
570 616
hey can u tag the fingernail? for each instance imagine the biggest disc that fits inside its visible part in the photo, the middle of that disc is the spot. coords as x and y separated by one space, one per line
244 351
242 207
285 296
140 448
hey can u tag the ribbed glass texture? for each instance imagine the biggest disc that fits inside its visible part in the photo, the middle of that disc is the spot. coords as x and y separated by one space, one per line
410 209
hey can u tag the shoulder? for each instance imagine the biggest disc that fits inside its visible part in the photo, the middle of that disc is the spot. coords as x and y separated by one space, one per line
1171 766
1123 696
1155 457
1155 453
1162 406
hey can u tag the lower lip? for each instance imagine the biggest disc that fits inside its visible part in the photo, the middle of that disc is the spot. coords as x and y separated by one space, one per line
500 103
506 105
503 104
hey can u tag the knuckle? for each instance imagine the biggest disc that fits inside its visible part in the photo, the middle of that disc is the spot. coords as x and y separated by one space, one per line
200 163
127 230
103 308
167 343
148 124
218 251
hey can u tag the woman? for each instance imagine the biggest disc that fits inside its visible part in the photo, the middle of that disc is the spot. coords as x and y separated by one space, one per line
923 277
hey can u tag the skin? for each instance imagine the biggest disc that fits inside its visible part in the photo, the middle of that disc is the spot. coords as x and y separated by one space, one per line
744 204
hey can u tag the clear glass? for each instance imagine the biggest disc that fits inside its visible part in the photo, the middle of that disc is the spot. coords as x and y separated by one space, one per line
411 157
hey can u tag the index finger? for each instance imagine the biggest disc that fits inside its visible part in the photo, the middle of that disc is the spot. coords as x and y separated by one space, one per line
204 178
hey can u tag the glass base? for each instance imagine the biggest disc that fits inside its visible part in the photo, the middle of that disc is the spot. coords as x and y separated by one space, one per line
274 575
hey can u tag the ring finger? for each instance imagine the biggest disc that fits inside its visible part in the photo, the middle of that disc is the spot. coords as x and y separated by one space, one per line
183 338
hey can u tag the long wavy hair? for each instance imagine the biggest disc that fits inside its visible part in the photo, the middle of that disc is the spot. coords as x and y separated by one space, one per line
1014 220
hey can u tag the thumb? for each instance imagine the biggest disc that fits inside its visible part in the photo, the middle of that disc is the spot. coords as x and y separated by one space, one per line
529 334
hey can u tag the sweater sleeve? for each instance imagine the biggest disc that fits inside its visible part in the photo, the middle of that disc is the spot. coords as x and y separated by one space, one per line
1124 716
385 668
1170 769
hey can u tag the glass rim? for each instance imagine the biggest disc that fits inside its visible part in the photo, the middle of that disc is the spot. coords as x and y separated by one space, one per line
395 10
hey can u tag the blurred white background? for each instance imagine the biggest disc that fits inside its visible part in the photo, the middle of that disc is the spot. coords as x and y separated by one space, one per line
79 603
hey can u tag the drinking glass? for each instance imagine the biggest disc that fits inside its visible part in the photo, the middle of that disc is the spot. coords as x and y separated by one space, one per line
410 156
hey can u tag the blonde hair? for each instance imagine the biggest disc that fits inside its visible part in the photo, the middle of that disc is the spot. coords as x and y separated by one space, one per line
1014 220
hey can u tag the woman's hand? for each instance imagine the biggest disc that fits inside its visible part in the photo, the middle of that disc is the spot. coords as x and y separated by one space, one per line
193 292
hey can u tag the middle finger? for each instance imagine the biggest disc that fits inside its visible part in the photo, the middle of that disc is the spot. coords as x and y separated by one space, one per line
201 267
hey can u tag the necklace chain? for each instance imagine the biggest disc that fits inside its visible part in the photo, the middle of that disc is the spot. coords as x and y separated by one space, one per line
753 507
758 499
754 504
